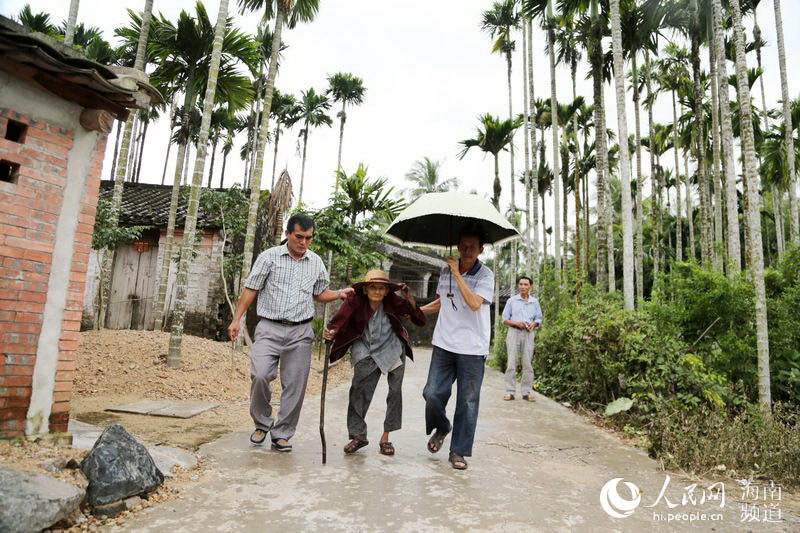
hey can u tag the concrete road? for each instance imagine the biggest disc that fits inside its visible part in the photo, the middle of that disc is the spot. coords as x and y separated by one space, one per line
536 467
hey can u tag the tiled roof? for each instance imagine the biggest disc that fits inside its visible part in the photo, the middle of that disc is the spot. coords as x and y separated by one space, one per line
394 250
147 204
54 67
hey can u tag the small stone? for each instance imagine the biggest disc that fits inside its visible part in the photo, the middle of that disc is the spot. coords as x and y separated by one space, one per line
195 478
54 465
72 464
132 502
109 509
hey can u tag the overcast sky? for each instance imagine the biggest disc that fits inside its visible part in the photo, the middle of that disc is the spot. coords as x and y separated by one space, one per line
428 71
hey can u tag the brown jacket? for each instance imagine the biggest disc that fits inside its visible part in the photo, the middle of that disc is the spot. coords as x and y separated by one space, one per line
353 315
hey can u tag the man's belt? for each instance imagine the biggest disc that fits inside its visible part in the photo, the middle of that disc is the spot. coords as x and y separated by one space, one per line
288 322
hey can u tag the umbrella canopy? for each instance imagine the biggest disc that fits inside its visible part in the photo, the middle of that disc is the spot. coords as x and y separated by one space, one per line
435 219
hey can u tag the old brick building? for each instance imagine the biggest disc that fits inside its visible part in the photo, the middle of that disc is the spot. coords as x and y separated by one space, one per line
56 109
135 274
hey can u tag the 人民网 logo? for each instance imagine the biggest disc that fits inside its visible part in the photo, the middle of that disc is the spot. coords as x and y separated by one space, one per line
615 505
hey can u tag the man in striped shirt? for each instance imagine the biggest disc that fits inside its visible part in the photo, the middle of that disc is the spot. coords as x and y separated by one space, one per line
287 279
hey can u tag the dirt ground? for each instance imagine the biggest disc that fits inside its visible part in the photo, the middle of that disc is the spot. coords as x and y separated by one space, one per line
115 367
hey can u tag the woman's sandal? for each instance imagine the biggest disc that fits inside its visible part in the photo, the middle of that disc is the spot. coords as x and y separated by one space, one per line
458 462
436 440
387 448
354 445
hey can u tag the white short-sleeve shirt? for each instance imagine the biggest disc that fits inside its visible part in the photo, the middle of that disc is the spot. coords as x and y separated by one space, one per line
462 330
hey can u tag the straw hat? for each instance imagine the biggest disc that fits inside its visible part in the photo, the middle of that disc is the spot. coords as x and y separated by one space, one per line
377 276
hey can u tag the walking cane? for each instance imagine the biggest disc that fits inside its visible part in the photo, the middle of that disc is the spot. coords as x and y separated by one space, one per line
322 401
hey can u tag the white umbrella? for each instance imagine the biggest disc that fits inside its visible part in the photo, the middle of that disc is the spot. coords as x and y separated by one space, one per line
436 219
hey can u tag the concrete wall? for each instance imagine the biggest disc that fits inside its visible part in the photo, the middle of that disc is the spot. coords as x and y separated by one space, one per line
46 222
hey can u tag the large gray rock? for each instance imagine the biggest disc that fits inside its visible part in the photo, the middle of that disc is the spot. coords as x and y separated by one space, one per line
119 467
32 502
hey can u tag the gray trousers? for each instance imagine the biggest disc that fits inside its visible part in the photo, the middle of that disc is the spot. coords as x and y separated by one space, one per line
365 378
290 347
519 345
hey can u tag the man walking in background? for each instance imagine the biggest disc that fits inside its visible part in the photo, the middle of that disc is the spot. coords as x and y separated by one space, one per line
287 280
522 314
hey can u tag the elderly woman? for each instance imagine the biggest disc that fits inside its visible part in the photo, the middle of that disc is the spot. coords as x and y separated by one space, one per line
368 322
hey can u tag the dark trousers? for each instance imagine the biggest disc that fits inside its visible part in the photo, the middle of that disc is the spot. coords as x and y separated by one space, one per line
365 378
447 367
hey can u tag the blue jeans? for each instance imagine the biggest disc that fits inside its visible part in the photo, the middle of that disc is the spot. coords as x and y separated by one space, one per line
447 367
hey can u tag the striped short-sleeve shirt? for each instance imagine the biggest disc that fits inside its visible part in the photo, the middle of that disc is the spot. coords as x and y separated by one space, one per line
286 285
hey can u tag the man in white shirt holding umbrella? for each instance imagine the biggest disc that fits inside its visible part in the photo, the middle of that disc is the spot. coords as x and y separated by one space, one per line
460 346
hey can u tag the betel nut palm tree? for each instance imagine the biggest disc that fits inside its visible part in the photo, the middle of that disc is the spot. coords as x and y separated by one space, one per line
492 136
425 177
753 208
121 164
313 114
184 51
289 13
284 111
624 163
189 233
349 90
794 231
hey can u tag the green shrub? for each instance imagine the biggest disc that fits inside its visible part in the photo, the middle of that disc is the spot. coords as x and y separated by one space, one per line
499 358
715 315
597 352
745 441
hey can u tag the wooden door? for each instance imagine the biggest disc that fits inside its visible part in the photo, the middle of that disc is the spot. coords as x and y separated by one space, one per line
132 288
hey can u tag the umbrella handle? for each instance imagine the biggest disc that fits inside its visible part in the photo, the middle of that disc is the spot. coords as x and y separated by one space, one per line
322 400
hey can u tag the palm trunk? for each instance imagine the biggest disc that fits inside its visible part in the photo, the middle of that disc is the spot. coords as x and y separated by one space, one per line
776 212
185 179
120 126
751 175
699 140
130 165
639 243
222 172
303 165
689 207
182 278
794 233
551 38
601 146
141 151
564 183
624 162
122 160
72 19
731 203
655 178
166 159
534 168
342 118
275 154
213 156
715 178
586 239
496 193
577 180
165 262
678 217
512 188
255 181
527 149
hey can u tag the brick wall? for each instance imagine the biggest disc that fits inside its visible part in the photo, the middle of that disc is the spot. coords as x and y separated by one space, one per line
29 211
